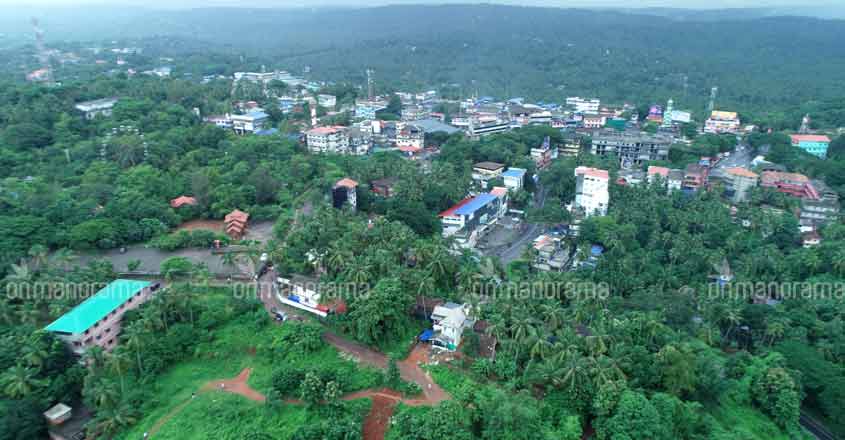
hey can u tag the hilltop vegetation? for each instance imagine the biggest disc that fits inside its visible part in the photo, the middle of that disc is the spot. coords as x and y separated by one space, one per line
771 69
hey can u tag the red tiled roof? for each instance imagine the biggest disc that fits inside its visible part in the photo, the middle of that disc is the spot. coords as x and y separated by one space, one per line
457 206
183 200
499 191
774 176
663 171
346 182
594 172
742 172
325 130
796 138
236 215
409 149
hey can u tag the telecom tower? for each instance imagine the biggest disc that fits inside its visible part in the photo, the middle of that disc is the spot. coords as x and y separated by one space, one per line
370 88
805 124
712 105
43 56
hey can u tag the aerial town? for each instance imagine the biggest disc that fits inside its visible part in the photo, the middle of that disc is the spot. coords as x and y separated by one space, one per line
210 244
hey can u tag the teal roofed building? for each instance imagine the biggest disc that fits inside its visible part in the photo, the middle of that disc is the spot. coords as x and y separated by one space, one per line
96 321
816 145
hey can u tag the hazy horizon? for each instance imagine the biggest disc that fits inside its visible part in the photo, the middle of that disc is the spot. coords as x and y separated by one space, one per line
195 4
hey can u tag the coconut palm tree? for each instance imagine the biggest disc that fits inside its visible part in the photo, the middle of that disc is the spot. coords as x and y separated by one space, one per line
338 258
19 381
63 258
38 256
34 353
230 260
118 362
776 328
134 335
20 272
113 419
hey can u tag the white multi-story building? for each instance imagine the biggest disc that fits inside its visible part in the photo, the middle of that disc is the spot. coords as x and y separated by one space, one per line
328 101
414 112
591 195
514 178
410 136
449 322
722 122
583 105
328 140
92 109
250 122
339 140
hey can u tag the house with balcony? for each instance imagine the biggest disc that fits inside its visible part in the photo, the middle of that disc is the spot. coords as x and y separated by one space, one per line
551 256
591 191
450 320
695 177
96 322
483 172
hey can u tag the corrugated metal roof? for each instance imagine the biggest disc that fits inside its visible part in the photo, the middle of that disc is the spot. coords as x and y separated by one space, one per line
475 204
514 172
83 316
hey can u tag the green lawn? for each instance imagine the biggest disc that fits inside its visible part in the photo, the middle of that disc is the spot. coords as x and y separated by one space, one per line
221 416
741 419
235 346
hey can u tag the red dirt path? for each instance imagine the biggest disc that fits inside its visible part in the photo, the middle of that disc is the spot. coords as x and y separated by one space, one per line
378 419
211 225
238 385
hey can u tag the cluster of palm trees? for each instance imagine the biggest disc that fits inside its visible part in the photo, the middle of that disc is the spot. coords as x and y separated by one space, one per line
105 386
28 376
41 266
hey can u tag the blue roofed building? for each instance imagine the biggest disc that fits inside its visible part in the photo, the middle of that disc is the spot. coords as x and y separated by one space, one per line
251 122
267 132
514 178
470 218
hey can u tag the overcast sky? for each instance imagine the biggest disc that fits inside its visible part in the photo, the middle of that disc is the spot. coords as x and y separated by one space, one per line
710 4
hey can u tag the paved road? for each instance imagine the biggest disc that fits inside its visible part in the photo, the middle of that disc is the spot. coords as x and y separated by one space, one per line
815 427
514 251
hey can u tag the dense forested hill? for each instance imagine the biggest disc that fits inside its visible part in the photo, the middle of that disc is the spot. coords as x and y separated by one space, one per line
761 64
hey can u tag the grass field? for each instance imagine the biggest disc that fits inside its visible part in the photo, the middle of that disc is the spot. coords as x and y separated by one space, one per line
218 415
235 346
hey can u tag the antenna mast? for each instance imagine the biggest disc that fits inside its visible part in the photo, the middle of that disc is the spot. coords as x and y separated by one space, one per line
370 88
43 55
712 105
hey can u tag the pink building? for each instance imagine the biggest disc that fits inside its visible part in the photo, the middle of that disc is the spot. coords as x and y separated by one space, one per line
96 321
